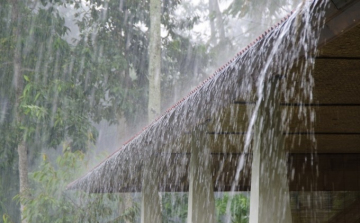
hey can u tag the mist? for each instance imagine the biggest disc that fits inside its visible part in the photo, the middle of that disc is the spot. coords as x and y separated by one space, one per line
75 89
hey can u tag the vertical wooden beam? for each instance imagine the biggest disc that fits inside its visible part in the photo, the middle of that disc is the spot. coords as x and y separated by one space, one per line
270 197
201 203
150 201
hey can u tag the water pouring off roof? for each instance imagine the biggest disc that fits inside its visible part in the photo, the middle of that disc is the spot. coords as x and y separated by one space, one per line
226 100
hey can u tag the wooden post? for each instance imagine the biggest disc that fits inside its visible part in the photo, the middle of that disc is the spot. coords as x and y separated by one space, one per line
201 203
151 202
270 197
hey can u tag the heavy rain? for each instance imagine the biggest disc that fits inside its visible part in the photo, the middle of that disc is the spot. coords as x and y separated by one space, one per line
205 111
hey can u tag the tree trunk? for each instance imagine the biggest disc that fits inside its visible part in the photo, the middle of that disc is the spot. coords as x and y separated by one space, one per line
154 60
23 173
212 22
215 13
19 86
151 202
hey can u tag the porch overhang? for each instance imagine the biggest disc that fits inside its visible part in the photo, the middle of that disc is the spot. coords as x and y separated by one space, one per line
223 106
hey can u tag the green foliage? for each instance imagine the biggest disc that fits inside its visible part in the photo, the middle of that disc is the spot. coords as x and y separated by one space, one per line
119 49
237 205
174 207
52 108
6 218
129 215
242 8
50 202
67 88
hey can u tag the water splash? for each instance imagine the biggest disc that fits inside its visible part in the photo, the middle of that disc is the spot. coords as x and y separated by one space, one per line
288 46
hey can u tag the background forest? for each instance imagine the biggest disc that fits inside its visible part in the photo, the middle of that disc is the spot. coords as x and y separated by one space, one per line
74 85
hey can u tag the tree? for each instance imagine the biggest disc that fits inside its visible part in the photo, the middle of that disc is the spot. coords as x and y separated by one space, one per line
255 17
18 88
154 104
49 202
60 90
216 16
41 103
